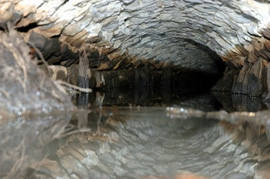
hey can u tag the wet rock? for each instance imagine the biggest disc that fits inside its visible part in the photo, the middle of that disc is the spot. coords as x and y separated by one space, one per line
94 59
267 94
125 30
6 13
227 80
256 79
52 50
47 47
237 176
249 80
24 87
240 83
84 73
240 102
73 72
56 72
128 26
68 56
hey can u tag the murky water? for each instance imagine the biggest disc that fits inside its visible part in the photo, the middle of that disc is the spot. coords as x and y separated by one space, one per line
136 141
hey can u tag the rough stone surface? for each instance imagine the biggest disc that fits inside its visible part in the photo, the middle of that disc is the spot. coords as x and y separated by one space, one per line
167 31
143 27
24 87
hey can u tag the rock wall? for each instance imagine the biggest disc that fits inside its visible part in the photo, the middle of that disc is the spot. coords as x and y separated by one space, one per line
25 89
166 31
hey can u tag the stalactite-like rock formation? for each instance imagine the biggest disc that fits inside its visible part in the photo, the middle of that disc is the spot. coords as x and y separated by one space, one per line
182 32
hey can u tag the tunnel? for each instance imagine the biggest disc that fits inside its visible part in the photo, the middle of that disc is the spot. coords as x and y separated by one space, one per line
155 39
198 71
131 59
193 36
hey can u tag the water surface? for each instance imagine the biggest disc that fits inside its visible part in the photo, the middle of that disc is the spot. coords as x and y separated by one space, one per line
135 141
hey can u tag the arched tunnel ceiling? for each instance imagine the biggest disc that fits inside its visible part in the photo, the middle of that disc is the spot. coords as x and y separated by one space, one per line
150 29
175 31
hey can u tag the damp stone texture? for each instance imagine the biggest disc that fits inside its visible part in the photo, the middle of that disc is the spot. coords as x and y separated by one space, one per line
181 32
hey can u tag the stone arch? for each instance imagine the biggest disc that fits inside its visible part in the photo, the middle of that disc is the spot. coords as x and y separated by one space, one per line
238 31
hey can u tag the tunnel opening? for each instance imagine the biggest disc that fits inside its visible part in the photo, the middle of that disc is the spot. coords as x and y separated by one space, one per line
140 87
151 83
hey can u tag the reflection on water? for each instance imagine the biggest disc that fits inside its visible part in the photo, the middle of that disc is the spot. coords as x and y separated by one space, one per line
23 140
139 142
145 143
240 102
203 101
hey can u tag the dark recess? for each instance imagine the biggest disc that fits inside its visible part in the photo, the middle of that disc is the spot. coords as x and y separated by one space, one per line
28 27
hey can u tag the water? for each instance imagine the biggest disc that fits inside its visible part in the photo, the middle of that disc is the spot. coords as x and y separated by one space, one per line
135 140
